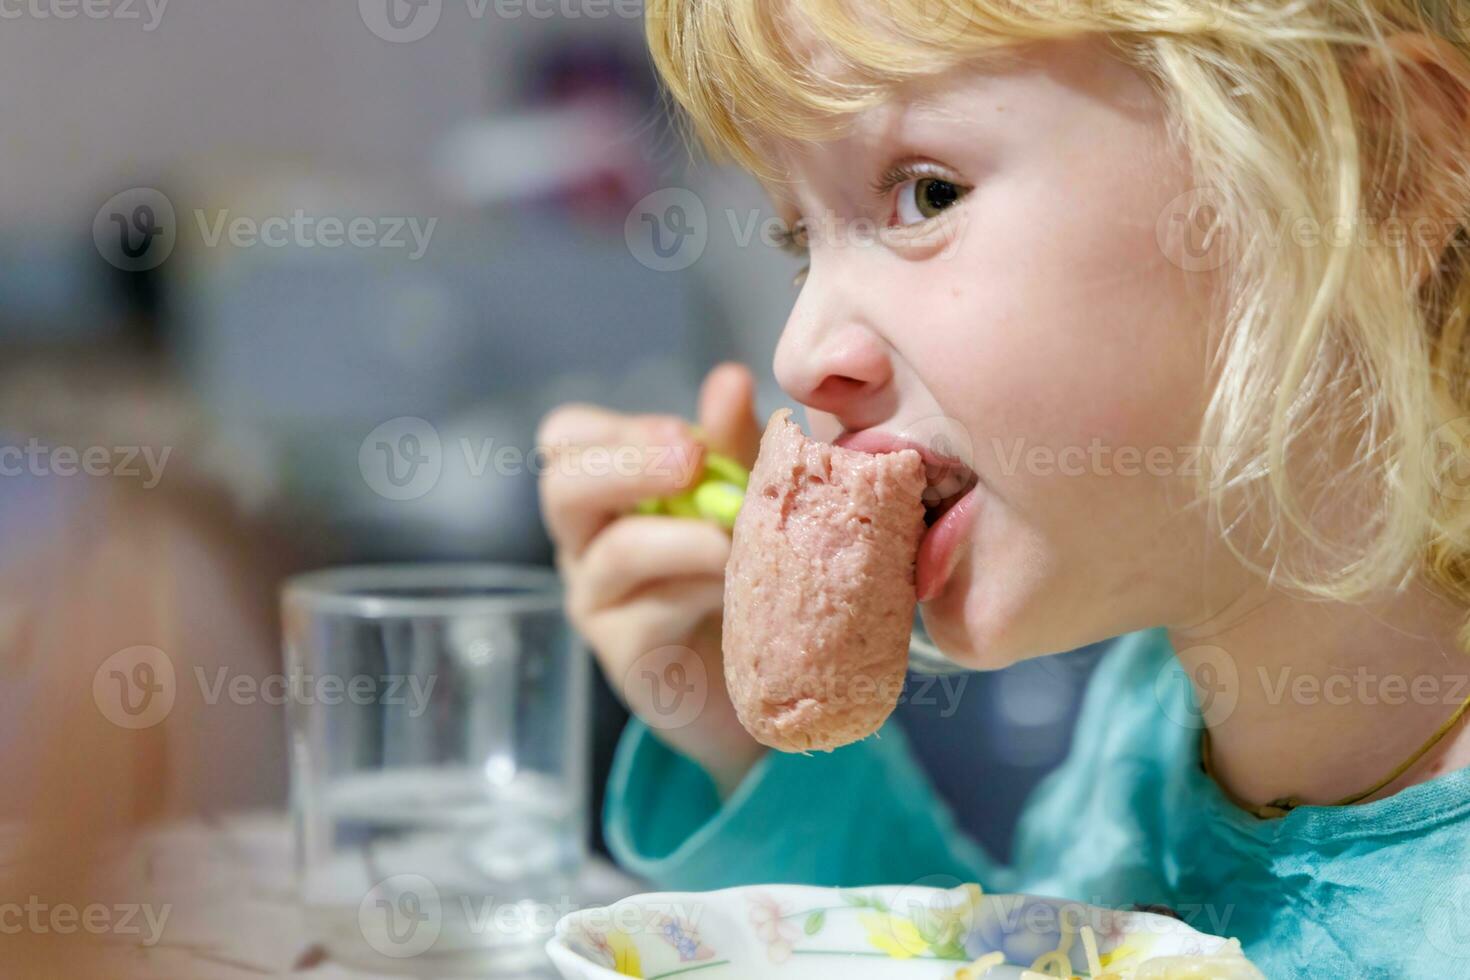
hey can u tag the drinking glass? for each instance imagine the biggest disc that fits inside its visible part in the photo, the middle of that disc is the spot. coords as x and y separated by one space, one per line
438 723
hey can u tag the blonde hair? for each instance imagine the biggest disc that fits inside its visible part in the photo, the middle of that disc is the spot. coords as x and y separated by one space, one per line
1336 335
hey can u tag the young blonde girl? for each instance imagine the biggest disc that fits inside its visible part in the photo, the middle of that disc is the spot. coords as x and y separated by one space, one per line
1186 283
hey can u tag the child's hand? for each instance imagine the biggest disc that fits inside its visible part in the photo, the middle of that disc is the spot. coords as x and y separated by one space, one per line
637 585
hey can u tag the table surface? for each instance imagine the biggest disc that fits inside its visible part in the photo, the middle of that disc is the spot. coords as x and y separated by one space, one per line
227 886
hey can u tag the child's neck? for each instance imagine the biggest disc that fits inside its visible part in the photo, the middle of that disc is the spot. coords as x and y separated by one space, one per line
1330 698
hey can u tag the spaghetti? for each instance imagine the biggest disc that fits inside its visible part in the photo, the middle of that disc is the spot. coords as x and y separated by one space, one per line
1228 963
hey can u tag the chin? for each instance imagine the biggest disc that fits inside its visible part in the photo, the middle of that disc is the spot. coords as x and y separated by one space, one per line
982 630
965 630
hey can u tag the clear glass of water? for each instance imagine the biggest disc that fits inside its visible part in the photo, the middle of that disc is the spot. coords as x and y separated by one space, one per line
439 724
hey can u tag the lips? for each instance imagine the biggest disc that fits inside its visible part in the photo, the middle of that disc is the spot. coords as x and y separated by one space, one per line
936 560
949 504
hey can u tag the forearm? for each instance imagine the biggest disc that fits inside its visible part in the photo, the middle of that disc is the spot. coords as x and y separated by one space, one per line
864 814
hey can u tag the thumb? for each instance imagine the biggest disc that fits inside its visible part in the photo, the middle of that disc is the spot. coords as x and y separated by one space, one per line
727 412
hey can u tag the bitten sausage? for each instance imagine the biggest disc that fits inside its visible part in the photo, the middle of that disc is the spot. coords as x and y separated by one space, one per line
819 589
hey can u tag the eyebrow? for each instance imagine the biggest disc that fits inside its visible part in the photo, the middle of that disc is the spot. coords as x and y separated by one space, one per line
892 120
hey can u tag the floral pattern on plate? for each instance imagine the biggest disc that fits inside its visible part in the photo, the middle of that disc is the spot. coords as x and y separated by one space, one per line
902 932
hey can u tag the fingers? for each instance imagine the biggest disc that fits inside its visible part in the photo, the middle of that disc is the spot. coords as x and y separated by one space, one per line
580 424
631 553
662 613
727 412
599 464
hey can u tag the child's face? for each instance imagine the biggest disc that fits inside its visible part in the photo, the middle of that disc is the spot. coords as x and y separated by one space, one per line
1028 313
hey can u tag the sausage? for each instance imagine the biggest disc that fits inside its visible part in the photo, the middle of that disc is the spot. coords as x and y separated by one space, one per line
819 589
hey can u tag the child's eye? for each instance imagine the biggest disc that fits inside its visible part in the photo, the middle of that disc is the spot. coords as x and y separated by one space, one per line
793 239
923 198
917 191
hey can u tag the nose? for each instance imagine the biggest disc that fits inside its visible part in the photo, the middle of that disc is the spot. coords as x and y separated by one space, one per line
830 361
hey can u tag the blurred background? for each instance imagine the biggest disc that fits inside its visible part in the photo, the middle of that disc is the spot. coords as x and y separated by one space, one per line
289 284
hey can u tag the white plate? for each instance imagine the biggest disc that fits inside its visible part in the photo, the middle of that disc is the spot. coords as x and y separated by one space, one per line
892 932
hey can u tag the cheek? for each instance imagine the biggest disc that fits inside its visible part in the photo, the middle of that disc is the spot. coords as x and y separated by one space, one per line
1074 353
1064 324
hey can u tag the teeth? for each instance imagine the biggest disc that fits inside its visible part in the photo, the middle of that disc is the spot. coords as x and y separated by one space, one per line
946 484
945 480
935 510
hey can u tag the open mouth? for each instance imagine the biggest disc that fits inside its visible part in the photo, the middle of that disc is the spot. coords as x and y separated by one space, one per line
947 482
946 478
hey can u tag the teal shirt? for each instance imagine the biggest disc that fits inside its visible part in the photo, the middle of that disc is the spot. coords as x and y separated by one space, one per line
1378 890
